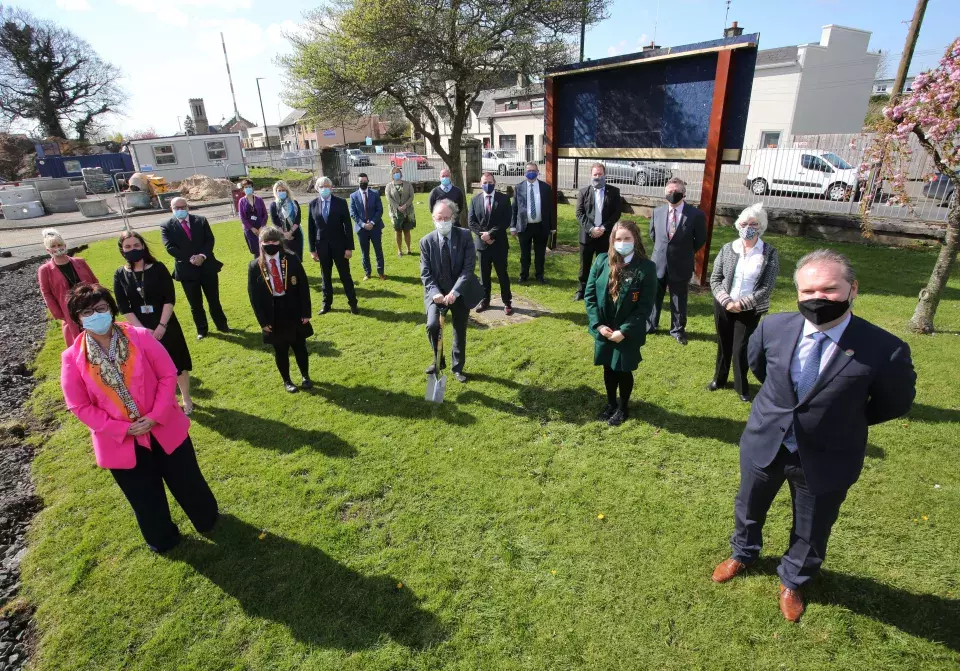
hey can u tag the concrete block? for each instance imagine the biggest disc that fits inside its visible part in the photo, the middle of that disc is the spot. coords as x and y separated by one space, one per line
79 191
14 195
61 200
48 183
26 210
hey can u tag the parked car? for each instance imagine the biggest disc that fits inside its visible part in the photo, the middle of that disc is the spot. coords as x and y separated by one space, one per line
939 188
641 173
398 159
502 162
801 171
355 157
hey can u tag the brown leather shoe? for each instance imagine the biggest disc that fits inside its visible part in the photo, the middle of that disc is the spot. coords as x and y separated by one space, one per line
791 603
729 569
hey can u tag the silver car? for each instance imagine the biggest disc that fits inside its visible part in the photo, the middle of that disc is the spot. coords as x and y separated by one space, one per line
641 173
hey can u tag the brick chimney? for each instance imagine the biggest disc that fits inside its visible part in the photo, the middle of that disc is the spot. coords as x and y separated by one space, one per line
733 31
650 47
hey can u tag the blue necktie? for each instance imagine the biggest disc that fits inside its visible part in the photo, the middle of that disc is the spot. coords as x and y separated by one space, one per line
533 201
326 209
808 378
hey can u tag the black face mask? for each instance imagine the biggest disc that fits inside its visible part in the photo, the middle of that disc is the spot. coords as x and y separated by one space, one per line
674 197
363 186
270 250
823 310
134 255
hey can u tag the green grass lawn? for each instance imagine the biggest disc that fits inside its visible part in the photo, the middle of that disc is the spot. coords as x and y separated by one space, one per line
364 528
265 178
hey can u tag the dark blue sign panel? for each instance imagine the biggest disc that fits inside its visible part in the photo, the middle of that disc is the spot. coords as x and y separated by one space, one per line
654 104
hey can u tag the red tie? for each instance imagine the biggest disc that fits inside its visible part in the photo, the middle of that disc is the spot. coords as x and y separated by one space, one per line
366 216
186 228
489 199
275 274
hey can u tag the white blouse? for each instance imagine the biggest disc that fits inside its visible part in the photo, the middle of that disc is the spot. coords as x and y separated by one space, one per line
748 269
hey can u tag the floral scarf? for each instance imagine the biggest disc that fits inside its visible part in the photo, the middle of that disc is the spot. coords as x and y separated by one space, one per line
113 370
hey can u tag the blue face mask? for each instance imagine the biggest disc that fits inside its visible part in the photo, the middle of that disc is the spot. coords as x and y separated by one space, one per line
282 195
396 176
325 192
445 181
623 248
248 190
180 214
532 174
98 322
489 187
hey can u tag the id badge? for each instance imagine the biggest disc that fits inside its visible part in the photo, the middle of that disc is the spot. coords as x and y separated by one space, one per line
146 309
253 218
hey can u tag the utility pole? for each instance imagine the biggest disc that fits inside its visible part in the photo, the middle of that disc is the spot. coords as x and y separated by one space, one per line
266 132
236 113
583 33
907 56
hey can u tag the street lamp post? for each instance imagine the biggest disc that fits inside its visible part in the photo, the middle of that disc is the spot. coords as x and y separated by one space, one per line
178 125
266 133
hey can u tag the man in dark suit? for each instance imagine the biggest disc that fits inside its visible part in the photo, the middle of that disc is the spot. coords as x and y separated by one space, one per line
447 190
678 230
489 220
533 220
447 261
598 209
826 377
189 240
367 213
331 242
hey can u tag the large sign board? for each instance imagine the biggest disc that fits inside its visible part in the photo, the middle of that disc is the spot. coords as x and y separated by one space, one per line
653 105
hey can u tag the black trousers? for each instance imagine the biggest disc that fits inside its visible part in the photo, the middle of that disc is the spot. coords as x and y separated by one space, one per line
281 354
327 261
195 290
588 252
813 516
535 236
678 306
459 313
733 333
495 258
143 487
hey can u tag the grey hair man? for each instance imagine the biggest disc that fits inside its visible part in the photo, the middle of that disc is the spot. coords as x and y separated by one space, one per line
827 376
447 190
533 221
189 239
447 261
678 231
330 234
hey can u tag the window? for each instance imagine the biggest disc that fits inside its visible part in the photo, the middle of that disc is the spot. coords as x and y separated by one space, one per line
510 105
71 166
814 163
163 154
536 104
508 142
835 160
770 139
216 150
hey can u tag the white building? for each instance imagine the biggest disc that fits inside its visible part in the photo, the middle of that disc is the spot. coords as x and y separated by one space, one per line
257 140
882 87
811 89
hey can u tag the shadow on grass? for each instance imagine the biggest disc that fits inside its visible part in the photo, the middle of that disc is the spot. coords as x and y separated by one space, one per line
369 400
269 434
254 340
394 316
929 413
370 290
319 600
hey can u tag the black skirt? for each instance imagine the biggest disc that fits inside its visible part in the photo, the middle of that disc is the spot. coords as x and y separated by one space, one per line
287 327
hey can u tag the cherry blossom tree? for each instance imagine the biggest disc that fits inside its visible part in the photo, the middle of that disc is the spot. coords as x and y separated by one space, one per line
931 114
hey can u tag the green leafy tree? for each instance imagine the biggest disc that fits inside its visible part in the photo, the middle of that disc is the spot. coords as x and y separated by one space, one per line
188 126
429 58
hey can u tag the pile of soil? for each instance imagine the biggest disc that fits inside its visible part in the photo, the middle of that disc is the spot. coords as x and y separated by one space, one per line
202 187
23 326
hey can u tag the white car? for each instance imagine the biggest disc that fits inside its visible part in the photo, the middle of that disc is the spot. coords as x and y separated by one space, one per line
811 171
502 162
355 157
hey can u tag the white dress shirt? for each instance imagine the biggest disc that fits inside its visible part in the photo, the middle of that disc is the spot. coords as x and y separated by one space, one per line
598 208
806 344
533 196
270 261
747 272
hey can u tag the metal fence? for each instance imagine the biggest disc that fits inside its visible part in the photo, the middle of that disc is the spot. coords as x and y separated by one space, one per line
812 173
378 167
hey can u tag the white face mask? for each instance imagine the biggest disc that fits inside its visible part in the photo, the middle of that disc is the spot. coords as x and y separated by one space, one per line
444 226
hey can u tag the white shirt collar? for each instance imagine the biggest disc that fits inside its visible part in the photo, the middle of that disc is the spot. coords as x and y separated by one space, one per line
628 259
271 257
738 247
446 188
834 334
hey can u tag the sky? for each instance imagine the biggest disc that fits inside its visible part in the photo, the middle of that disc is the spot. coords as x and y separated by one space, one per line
170 50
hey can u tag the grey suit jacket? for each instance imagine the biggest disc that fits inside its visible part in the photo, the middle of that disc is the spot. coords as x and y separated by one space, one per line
675 257
521 207
463 258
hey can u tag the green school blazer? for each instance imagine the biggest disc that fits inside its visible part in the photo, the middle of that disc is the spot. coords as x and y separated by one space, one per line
628 314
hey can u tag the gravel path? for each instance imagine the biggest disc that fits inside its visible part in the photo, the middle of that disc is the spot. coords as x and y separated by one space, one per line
23 325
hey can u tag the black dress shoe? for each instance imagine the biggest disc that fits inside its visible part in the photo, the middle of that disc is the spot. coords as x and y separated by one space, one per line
682 339
482 305
324 310
201 336
541 280
608 411
354 310
713 386
460 377
306 384
745 398
618 418
578 296
225 329
290 387
522 280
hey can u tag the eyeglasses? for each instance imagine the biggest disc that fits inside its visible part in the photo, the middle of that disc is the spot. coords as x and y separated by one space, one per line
89 312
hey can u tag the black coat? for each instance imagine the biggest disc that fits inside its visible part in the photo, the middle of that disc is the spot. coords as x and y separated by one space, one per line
869 380
609 215
336 232
675 256
181 247
497 224
297 296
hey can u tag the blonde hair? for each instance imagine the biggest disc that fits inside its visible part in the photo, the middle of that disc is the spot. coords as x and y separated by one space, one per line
280 185
52 236
755 212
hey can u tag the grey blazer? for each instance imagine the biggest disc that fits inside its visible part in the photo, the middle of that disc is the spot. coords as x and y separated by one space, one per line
463 258
724 267
521 208
674 257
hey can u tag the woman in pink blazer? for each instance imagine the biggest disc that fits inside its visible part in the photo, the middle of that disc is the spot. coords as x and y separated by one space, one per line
57 276
120 382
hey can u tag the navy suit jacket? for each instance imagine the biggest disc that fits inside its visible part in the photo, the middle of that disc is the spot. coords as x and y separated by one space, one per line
463 259
496 223
336 231
675 257
869 380
181 248
374 209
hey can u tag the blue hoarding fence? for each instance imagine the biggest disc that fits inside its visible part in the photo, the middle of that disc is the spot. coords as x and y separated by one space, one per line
72 166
